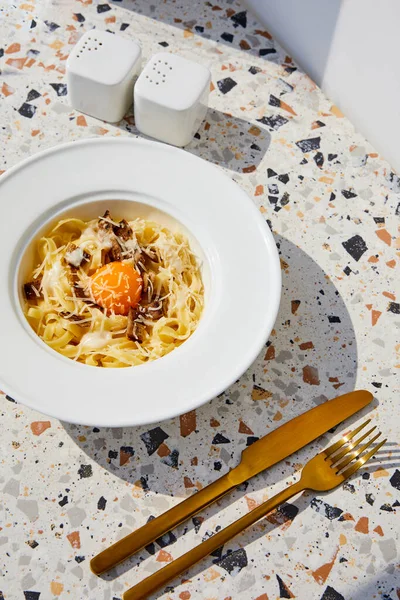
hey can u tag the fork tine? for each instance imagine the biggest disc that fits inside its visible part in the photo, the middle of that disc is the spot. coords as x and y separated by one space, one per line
331 449
352 446
352 455
357 465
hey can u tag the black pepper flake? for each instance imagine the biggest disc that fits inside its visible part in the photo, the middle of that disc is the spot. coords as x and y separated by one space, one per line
52 26
153 438
355 246
124 26
275 121
284 591
309 145
172 459
59 88
266 51
27 110
101 503
226 85
331 594
395 480
333 319
64 501
85 471
254 70
394 307
348 194
240 18
370 498
102 8
32 95
79 559
79 17
220 439
163 44
228 37
234 561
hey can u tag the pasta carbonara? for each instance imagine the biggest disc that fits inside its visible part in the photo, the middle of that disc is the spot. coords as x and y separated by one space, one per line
114 293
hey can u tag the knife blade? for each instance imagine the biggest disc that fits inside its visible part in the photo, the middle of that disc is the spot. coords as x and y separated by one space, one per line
265 452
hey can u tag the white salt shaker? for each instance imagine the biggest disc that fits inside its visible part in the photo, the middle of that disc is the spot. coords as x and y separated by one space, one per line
101 71
170 99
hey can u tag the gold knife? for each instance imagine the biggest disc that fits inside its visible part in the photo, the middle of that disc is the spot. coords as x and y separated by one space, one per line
265 452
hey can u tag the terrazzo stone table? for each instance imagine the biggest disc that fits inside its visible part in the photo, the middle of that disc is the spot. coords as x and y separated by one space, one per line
333 205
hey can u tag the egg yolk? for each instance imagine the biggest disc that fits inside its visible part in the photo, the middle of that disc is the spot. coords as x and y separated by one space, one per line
116 287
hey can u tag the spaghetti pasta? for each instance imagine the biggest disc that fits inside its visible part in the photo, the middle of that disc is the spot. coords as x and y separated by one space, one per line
62 309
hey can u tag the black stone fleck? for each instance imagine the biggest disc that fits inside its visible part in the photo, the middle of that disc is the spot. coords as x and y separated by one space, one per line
95 430
255 147
10 399
166 540
64 501
32 595
144 481
153 439
124 26
319 159
394 307
387 507
285 199
199 29
33 544
1 52
347 271
266 51
330 512
331 594
33 24
342 559
27 110
290 70
370 498
85 471
101 503
273 188
79 17
112 454
309 145
397 211
197 523
228 37
225 85
172 459
102 8
284 178
151 548
348 194
332 156
379 219
274 101
275 121
52 26
366 475
59 88
163 44
234 561
32 95
127 450
79 559
349 487
251 439
220 439
288 511
355 246
217 554
284 591
395 479
240 18
217 465
254 70
271 173
376 384
333 319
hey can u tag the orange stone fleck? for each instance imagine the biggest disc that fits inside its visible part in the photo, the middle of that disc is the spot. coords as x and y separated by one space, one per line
336 111
110 19
389 295
254 130
211 574
188 34
81 121
250 169
184 596
362 525
259 190
321 574
188 483
38 427
288 108
187 423
306 346
13 48
295 306
270 353
379 531
262 597
214 422
391 264
251 503
164 556
310 375
74 539
243 428
17 63
7 90
277 416
380 473
264 33
163 450
384 235
375 314
342 539
56 588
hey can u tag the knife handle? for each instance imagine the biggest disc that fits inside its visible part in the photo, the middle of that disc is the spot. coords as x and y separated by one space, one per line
135 541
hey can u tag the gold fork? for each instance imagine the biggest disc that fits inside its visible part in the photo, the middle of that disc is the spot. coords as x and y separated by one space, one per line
324 472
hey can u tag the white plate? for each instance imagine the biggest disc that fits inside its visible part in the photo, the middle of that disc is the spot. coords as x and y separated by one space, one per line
241 273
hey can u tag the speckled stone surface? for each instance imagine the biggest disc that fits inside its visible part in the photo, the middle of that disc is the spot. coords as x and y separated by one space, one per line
333 205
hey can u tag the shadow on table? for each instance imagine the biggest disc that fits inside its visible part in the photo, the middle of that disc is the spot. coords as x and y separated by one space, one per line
224 140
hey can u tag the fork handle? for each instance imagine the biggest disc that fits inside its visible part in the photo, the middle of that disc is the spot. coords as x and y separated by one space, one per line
135 541
181 564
